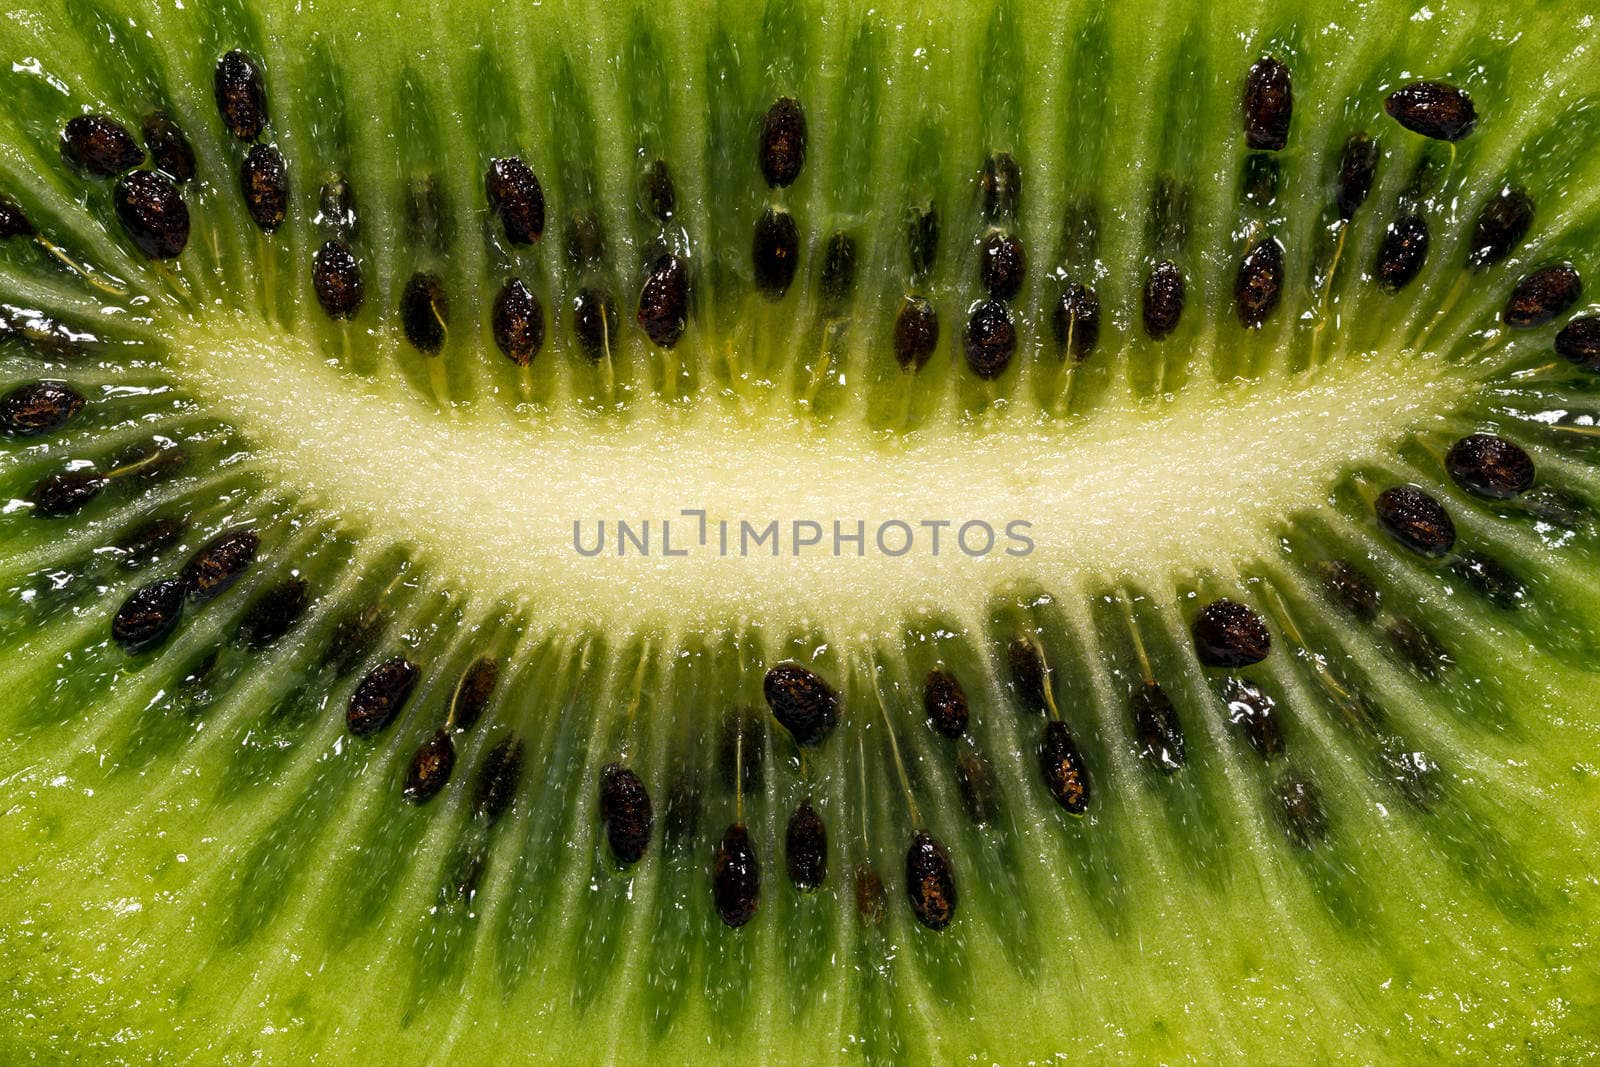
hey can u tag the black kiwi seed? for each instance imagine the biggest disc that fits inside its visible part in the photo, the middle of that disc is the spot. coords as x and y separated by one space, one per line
38 408
1268 105
336 279
1259 284
264 181
1228 634
148 616
517 198
1155 723
1501 226
13 220
1403 252
945 702
1001 184
517 320
1358 166
1490 579
916 332
241 95
1076 322
990 339
1254 712
430 768
1489 466
65 493
472 694
1029 678
806 848
783 142
980 793
1261 176
664 300
1300 805
1579 342
1416 520
922 240
626 812
379 695
930 882
1433 109
1543 295
143 545
1349 589
1002 265
336 207
594 322
1417 646
802 702
152 213
1065 773
775 251
657 193
169 147
872 901
586 241
838 269
735 877
274 613
498 779
1164 292
424 310
220 562
99 146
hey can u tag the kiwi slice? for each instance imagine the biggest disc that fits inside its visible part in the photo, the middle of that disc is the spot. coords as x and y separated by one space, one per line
791 531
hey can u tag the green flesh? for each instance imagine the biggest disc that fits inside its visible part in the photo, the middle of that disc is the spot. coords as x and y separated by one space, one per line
212 867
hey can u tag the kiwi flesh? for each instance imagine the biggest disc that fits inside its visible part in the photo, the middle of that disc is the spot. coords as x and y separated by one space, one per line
468 584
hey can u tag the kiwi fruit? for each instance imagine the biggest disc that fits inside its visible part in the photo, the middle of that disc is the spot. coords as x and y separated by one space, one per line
799 531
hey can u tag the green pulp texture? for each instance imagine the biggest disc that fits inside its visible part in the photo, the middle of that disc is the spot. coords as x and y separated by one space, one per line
206 865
